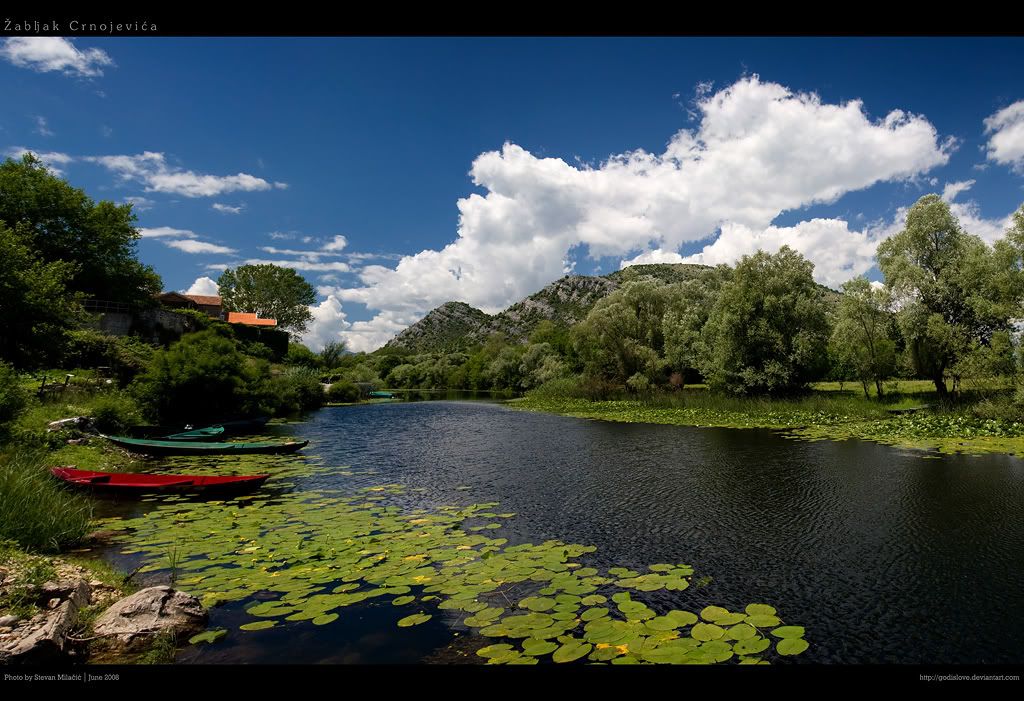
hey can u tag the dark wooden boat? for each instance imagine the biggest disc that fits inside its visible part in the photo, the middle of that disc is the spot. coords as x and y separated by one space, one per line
156 447
141 483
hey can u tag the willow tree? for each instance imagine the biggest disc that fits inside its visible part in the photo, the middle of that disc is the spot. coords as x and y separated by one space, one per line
768 330
860 339
946 284
622 335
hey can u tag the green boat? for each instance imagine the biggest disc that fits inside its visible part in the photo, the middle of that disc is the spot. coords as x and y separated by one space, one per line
381 395
198 434
155 447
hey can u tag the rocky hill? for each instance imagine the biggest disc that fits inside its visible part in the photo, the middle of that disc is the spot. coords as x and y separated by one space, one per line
448 327
566 301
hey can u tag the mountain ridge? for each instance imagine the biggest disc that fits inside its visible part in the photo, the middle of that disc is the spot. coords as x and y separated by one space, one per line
565 301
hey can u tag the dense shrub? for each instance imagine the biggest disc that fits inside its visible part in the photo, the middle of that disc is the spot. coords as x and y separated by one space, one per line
256 349
343 391
113 412
124 355
202 376
296 389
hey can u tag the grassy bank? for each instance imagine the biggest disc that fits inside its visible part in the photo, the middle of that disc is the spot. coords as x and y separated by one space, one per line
980 426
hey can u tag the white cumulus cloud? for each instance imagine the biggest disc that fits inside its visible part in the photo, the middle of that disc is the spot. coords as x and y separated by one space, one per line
227 209
46 54
1006 136
203 286
760 149
328 324
837 252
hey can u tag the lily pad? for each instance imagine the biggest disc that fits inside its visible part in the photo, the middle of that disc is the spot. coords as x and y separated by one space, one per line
536 647
209 636
791 646
789 632
751 646
706 631
414 620
763 621
571 651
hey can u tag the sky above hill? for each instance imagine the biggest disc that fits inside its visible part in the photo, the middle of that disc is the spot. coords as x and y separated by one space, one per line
396 174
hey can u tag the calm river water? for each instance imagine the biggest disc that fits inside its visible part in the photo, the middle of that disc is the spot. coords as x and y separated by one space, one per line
883 555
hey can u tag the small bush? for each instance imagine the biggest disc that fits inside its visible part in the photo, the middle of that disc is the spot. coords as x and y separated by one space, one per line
13 396
562 387
343 392
115 411
35 511
297 389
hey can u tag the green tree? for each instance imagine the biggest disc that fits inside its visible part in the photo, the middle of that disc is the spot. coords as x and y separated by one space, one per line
201 377
860 337
623 335
59 222
950 289
299 354
689 306
36 306
768 331
272 292
332 353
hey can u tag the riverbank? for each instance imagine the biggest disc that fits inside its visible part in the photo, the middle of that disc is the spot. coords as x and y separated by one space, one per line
54 587
818 417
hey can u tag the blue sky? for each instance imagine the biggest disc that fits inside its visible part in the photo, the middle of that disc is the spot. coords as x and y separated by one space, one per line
398 173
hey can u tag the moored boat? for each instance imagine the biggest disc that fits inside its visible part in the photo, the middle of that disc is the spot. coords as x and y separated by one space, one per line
233 427
163 447
199 434
143 483
381 395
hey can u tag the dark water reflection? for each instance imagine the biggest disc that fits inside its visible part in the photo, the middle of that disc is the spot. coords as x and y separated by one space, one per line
883 555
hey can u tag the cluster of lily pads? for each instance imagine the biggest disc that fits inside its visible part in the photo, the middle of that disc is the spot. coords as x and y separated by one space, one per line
305 556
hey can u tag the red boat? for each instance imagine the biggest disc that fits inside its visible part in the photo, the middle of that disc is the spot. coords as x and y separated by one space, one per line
140 483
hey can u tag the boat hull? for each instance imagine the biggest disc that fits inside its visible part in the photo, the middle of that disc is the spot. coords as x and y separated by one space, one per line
139 484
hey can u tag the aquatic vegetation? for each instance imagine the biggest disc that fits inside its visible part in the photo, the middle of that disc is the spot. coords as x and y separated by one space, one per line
944 432
303 557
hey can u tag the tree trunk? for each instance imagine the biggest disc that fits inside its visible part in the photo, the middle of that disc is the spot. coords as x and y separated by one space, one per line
940 386
864 384
878 386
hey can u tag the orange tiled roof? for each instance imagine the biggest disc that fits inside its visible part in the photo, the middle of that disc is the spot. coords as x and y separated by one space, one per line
250 319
